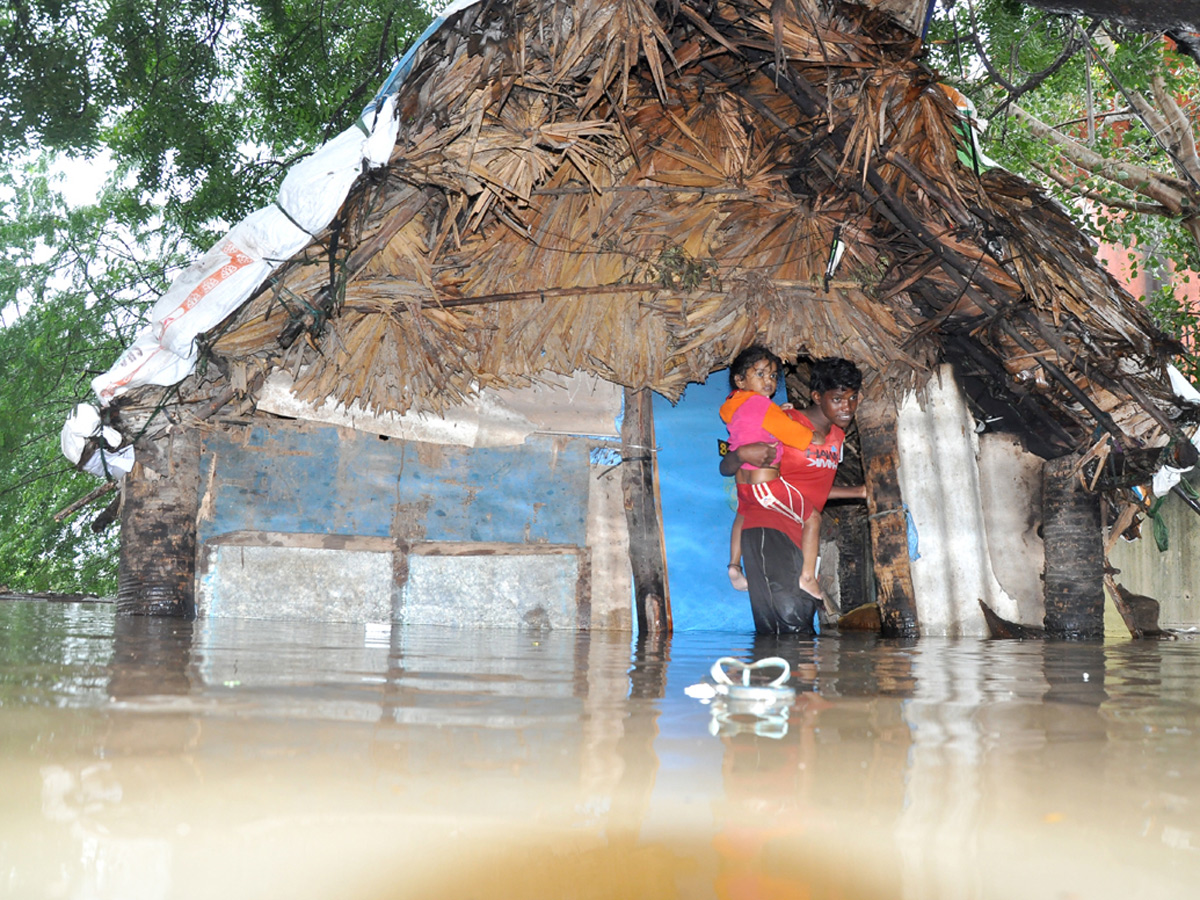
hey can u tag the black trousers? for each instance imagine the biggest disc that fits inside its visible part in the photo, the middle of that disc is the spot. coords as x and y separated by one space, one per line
773 563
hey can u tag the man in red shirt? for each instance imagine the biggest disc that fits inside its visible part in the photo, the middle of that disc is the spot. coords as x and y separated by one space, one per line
784 595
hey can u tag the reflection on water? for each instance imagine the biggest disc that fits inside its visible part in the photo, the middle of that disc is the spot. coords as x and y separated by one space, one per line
144 758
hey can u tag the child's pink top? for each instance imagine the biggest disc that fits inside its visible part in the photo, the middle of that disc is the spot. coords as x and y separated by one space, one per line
752 417
746 426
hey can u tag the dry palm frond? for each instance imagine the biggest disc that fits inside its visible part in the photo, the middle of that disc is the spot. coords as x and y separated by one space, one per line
639 190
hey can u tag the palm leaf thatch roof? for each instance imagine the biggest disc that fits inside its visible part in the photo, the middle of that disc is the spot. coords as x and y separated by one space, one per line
639 190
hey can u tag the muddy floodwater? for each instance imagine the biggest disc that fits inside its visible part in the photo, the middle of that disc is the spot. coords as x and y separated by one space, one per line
243 759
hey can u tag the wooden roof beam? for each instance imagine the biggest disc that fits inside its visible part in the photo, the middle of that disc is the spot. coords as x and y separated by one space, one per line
961 271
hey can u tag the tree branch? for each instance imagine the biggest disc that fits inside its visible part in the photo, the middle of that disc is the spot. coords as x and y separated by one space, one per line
1113 115
1154 122
90 497
1133 206
1170 192
1015 91
1182 144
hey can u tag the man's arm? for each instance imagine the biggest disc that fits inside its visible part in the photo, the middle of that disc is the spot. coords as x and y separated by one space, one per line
757 454
840 492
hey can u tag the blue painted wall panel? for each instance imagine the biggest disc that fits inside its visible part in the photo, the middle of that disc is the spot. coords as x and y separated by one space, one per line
307 478
698 507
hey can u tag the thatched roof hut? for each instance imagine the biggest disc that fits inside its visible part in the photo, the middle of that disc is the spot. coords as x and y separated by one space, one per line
638 190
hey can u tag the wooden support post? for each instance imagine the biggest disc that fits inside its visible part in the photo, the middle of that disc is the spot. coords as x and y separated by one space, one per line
156 574
1074 548
638 481
889 524
848 523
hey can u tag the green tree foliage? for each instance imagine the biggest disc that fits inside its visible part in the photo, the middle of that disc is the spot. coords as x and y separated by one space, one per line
201 103
1099 114
198 107
74 285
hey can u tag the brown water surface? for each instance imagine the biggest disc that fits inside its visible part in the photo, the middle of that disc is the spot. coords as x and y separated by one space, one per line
241 759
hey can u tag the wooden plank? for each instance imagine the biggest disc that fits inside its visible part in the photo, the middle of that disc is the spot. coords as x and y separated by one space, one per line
847 522
889 524
638 482
92 495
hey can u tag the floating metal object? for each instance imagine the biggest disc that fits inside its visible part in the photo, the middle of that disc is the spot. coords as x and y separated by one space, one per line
745 708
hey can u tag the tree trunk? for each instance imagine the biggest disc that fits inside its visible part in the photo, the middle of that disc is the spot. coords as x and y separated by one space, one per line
642 514
889 524
1143 15
156 575
1074 547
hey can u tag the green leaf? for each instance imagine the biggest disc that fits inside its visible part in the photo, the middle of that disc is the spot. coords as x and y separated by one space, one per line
1160 533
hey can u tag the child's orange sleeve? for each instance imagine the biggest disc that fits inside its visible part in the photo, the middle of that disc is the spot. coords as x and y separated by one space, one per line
732 403
787 429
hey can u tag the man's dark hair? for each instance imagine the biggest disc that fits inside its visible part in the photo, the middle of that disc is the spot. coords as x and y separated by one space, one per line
743 361
833 374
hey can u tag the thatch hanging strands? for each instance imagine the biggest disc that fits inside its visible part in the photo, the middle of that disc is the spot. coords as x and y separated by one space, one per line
639 190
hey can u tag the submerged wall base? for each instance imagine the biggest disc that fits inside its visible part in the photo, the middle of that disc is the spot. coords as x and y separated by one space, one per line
322 578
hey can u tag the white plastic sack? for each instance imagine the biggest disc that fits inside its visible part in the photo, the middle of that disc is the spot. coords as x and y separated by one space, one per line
1183 388
114 464
204 294
1165 479
314 188
146 361
225 277
81 426
1168 476
385 125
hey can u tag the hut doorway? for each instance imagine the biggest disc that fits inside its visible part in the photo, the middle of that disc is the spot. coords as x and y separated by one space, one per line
698 507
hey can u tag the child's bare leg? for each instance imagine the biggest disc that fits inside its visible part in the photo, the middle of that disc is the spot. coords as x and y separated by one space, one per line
810 546
736 576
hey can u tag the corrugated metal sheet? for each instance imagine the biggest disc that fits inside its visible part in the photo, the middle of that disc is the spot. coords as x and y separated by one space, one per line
1172 577
968 525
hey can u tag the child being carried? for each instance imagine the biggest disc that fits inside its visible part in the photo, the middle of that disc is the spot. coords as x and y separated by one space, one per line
753 417
817 432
